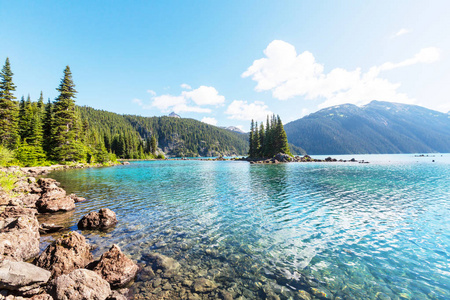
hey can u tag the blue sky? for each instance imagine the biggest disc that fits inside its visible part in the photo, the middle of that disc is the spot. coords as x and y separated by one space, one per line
225 62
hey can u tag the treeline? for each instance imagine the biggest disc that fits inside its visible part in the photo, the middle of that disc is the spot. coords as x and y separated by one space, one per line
179 137
33 133
267 141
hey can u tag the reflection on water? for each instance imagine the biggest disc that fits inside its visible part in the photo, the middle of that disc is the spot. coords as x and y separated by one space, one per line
376 231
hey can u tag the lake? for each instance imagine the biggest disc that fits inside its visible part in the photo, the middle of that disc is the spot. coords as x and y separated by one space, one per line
336 230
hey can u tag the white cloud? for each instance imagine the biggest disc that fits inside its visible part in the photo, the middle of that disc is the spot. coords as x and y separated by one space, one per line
241 110
401 32
208 120
205 95
287 74
186 86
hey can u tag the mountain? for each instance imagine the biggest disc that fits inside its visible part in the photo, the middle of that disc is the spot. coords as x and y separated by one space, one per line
174 115
378 127
234 129
175 136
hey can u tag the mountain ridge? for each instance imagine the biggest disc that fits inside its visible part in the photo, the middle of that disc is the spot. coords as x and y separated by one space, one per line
375 128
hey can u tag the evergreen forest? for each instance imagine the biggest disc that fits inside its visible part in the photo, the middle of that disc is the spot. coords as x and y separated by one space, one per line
36 132
269 140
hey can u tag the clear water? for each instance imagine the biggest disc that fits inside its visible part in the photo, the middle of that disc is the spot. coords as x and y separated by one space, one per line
354 231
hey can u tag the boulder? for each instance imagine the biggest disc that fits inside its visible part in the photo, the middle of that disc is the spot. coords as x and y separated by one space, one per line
21 277
4 198
76 198
29 200
164 263
53 200
17 211
49 228
115 295
203 285
80 284
102 219
115 267
47 183
19 237
66 254
281 157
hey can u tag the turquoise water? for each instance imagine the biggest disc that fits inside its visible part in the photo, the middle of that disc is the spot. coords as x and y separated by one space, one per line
352 231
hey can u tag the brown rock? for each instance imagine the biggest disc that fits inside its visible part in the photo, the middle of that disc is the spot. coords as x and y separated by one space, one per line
29 200
19 238
76 198
161 262
47 183
202 285
42 297
115 295
55 199
66 254
80 284
21 277
102 219
17 211
115 267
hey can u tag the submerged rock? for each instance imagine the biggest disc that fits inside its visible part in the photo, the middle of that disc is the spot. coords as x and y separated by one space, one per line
102 219
115 267
19 237
21 277
65 254
203 285
76 198
80 284
167 265
49 228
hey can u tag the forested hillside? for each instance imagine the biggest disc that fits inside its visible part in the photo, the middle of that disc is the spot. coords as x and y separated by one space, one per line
379 127
123 134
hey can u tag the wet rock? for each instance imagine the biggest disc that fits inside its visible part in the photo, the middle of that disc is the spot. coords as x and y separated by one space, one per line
115 267
202 285
80 284
281 157
163 263
21 277
49 228
321 294
19 238
224 295
66 254
102 219
115 295
303 295
76 198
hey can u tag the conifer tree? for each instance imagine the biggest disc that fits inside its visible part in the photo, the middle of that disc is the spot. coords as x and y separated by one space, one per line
251 152
153 144
8 108
47 128
261 140
66 146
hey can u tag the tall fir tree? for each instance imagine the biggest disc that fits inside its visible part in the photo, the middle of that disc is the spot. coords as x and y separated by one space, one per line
8 108
47 128
64 126
251 151
153 144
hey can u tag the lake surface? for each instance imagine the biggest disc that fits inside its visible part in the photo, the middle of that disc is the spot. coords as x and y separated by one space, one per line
336 230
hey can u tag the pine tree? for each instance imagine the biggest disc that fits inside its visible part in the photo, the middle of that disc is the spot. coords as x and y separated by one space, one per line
251 151
47 128
8 108
261 140
282 141
153 144
64 127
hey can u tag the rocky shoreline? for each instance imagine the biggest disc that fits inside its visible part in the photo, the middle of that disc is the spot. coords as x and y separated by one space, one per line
65 269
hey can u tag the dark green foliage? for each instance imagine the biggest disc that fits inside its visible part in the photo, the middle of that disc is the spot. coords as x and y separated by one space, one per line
268 141
66 127
47 127
8 108
379 127
153 145
129 136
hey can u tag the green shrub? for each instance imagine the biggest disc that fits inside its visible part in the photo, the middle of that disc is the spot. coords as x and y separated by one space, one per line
6 156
